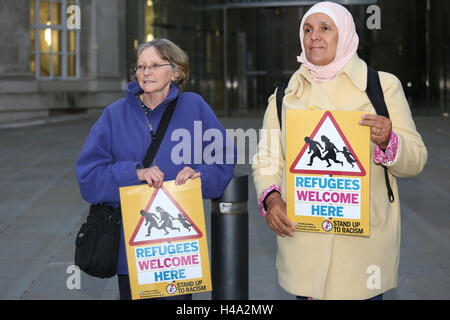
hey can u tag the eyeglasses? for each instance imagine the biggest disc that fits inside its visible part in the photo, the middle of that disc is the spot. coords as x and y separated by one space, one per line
153 67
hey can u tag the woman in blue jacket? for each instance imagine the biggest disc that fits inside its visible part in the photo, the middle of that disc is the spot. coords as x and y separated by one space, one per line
117 143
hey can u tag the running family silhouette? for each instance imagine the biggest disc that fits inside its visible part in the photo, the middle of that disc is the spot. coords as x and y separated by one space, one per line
165 219
330 151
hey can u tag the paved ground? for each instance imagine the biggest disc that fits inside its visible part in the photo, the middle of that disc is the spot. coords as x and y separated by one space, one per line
41 211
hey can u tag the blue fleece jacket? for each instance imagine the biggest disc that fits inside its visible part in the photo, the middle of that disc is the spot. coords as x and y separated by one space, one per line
118 141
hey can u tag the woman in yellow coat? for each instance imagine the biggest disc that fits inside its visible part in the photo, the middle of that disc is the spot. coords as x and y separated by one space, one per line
333 77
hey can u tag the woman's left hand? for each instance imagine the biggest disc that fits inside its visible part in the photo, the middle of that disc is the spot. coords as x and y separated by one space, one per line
185 174
380 129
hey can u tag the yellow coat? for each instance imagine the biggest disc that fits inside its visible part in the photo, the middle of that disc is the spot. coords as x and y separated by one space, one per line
327 266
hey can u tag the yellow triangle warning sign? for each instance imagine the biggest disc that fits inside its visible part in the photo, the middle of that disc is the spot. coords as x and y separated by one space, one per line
163 220
327 151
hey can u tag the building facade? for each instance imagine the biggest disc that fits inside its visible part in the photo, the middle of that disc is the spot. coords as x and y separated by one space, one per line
48 69
73 56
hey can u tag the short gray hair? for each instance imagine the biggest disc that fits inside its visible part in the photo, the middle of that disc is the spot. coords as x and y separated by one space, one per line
169 51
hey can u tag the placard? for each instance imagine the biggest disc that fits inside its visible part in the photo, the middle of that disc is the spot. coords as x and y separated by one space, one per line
328 166
165 237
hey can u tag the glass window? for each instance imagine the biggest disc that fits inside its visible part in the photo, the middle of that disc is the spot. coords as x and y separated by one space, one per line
45 36
71 41
44 11
54 47
33 64
56 41
71 66
57 64
32 11
44 62
149 20
56 13
32 39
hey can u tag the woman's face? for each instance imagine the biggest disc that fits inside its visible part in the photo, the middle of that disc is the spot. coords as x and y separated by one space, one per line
320 39
159 77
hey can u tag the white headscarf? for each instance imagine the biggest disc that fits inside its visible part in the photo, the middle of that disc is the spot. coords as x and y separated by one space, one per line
348 40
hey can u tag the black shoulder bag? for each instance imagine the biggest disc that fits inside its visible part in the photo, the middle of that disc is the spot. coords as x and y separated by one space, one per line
97 241
376 97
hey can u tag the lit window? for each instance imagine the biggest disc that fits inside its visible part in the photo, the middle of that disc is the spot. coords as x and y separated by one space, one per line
149 19
54 47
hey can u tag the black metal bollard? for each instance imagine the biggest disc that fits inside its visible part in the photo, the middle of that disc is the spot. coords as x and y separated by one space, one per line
229 242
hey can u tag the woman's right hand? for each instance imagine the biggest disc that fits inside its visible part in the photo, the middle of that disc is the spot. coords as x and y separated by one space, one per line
153 176
276 216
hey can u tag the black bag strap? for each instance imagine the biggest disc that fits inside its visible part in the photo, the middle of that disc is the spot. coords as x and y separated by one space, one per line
279 97
154 145
162 127
376 97
375 93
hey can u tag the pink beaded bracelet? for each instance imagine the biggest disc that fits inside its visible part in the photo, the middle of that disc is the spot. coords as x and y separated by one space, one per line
389 155
273 187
